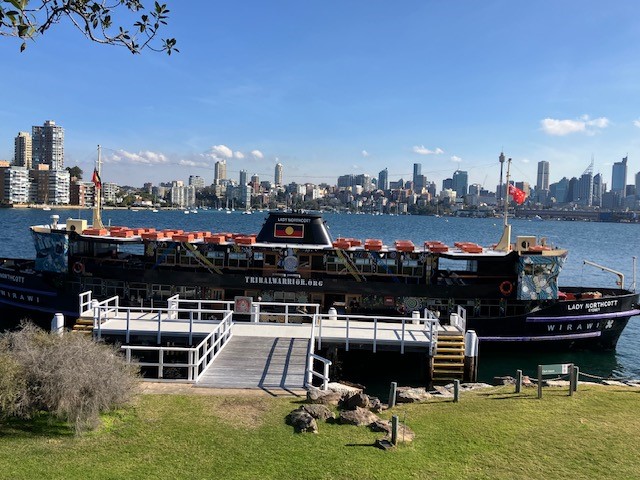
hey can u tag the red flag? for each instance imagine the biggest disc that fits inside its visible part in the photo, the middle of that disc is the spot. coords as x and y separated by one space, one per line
96 178
517 194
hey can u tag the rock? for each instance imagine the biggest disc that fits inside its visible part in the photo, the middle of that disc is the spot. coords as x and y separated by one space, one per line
614 383
344 389
412 395
466 387
405 434
555 383
375 405
323 397
319 412
506 380
351 402
442 391
633 383
359 416
301 421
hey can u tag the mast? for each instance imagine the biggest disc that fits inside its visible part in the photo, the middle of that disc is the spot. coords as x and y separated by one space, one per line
504 245
97 200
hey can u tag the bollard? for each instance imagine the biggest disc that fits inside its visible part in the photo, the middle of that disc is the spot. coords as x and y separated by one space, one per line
57 324
415 317
470 356
333 314
456 391
392 394
518 381
576 375
394 430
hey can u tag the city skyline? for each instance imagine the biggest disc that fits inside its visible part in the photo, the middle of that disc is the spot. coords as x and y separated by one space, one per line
446 86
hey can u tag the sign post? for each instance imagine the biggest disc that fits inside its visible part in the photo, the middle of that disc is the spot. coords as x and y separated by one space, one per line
555 369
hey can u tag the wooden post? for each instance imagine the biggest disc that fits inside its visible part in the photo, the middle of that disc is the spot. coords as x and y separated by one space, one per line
518 381
470 356
539 381
456 391
572 380
394 430
576 375
392 394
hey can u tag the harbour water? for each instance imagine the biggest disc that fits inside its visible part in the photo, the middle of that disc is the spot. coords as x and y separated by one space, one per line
609 244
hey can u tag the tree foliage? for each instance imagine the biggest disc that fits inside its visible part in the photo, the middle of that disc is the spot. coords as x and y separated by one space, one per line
71 377
96 19
75 172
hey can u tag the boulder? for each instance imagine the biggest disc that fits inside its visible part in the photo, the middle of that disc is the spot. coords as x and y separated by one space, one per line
614 383
441 391
555 383
323 397
412 395
359 416
301 421
506 380
353 401
375 405
317 411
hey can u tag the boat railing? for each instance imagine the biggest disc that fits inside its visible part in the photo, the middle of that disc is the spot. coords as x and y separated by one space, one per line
373 326
311 362
199 357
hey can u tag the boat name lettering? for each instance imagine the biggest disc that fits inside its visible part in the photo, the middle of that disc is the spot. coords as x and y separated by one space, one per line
294 220
19 296
13 278
303 282
593 306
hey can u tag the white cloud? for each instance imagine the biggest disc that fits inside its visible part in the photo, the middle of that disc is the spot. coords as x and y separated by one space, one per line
455 158
221 151
637 123
525 160
257 154
238 155
584 124
145 157
422 150
365 153
191 163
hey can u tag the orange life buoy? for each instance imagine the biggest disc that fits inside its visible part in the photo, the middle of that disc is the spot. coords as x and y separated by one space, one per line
78 267
506 288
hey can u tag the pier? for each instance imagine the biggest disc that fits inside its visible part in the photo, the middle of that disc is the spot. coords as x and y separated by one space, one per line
267 345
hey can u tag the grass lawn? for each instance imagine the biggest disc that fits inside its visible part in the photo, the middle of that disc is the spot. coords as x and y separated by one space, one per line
492 434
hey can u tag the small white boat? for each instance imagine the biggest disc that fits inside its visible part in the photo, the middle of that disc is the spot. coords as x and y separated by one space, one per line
46 209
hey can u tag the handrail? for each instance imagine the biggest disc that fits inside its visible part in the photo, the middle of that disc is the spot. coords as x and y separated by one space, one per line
325 371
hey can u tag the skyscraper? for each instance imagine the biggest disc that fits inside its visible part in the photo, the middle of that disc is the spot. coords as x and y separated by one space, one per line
48 145
277 179
460 183
383 179
417 173
543 176
243 178
219 172
23 150
619 176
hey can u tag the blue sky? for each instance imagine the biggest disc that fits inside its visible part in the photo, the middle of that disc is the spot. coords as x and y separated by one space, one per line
330 88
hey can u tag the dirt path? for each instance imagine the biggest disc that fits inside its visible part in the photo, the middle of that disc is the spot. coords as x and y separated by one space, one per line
162 388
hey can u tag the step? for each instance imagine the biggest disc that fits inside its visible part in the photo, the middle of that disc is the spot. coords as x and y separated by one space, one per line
440 366
440 349
84 321
447 357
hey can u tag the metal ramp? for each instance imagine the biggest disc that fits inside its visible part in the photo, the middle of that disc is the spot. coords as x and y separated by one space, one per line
259 362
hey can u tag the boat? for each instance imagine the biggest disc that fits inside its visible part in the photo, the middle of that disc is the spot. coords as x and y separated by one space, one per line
510 290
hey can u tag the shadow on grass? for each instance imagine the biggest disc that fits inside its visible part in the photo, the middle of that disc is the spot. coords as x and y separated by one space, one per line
41 425
360 444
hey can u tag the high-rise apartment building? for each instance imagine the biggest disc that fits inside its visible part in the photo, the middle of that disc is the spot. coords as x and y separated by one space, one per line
277 178
196 181
23 150
220 172
619 176
243 178
47 145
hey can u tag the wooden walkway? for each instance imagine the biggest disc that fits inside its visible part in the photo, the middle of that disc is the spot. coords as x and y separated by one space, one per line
259 362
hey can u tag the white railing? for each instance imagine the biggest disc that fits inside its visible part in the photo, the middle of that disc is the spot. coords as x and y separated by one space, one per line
324 376
373 325
199 358
84 302
459 319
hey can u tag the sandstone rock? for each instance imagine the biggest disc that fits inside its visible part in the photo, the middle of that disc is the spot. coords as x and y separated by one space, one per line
443 391
344 388
614 383
301 421
466 387
556 383
405 434
319 412
506 380
324 397
412 395
351 402
375 405
359 416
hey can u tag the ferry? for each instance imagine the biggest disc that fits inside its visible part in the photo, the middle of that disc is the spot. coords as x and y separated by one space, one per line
510 290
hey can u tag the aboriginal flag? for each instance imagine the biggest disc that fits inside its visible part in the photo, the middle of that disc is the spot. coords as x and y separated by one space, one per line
284 230
96 178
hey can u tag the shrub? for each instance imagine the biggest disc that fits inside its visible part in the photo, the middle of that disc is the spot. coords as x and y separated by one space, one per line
72 377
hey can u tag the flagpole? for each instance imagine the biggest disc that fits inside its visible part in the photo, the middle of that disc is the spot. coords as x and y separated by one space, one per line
97 200
504 245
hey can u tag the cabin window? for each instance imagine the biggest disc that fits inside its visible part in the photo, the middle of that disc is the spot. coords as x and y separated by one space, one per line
304 262
186 292
412 268
112 288
238 260
457 265
160 291
387 266
136 249
216 257
364 265
270 259
166 255
138 290
258 256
